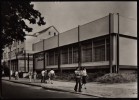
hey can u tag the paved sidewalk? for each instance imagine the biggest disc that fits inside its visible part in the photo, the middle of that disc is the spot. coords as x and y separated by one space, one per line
124 90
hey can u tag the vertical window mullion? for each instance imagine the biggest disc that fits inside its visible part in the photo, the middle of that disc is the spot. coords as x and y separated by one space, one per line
92 52
72 54
68 55
54 57
105 50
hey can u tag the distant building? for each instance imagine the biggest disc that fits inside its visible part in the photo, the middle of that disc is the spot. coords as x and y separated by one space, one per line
109 43
22 53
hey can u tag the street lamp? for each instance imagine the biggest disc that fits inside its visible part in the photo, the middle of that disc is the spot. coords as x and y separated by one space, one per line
10 63
16 65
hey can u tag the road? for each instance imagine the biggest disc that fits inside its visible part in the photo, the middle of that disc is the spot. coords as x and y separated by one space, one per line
16 90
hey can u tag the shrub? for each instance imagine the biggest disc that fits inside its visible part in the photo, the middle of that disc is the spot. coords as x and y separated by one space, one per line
117 78
69 76
92 76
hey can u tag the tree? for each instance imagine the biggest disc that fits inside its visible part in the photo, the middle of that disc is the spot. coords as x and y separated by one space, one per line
13 26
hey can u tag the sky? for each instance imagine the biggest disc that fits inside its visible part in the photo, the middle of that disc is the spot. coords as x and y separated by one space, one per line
67 15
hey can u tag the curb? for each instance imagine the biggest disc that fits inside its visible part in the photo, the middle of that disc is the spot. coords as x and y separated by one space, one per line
55 89
23 83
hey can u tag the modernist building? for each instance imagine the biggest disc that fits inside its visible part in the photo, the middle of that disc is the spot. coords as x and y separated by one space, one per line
21 53
107 43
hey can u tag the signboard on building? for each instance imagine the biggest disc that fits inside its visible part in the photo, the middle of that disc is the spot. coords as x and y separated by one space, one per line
40 57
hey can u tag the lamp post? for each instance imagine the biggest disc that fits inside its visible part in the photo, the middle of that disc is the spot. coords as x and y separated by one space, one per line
24 53
10 63
79 48
16 65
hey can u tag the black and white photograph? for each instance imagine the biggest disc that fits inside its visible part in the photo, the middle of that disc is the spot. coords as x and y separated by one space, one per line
68 49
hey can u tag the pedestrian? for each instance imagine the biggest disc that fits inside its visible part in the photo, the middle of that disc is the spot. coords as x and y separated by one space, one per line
84 76
16 75
30 76
35 75
42 76
11 73
45 76
78 79
51 75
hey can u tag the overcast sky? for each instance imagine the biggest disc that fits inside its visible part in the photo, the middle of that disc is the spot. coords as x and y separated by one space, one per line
67 15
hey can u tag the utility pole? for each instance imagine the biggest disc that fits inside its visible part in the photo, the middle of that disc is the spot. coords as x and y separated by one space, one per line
59 68
10 63
118 46
110 44
79 48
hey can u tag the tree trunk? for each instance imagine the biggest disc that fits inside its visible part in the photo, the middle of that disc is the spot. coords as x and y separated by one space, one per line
0 72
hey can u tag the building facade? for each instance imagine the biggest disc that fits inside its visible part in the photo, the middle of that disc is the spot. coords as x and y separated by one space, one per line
107 43
20 54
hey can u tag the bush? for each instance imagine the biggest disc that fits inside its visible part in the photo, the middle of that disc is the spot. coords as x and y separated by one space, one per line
92 76
117 78
65 76
69 76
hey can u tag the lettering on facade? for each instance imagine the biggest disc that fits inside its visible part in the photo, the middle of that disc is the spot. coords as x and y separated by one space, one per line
40 57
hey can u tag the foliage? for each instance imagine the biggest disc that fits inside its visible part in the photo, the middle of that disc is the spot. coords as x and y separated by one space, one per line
13 17
117 78
69 76
92 76
66 76
13 26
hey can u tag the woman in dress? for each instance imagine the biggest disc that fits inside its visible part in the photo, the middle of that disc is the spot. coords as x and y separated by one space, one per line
84 76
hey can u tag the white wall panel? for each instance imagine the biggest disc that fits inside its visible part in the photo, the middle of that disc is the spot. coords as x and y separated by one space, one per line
127 51
128 26
51 43
93 29
68 37
38 46
38 64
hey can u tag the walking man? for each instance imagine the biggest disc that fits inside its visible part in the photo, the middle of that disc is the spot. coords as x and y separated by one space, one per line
45 76
16 75
42 76
78 79
51 75
35 75
30 76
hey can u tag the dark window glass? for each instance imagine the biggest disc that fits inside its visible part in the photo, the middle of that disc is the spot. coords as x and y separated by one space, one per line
108 49
70 55
51 58
75 54
64 56
87 52
99 50
56 57
49 33
54 33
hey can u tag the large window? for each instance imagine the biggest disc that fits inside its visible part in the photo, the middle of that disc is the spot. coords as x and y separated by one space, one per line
101 49
70 55
64 56
75 54
51 58
87 52
107 49
56 57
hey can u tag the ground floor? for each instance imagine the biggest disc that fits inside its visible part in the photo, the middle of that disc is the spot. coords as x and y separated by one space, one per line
109 52
20 63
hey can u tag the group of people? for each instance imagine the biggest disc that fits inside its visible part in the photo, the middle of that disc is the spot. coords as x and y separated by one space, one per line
15 74
80 77
32 74
47 75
